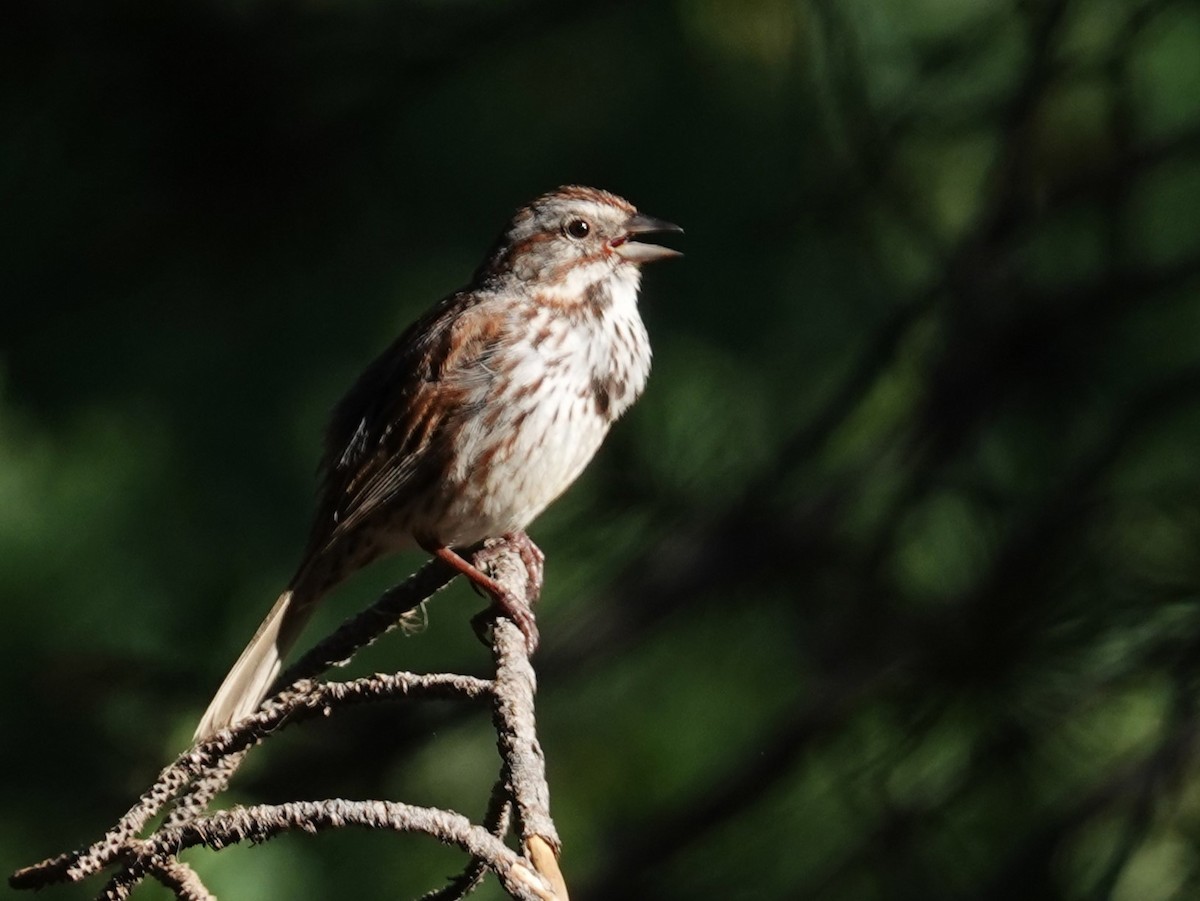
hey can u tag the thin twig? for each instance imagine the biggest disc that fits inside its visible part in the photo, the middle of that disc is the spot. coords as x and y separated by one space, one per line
364 628
172 873
203 771
304 700
350 637
264 822
206 786
182 880
516 730
496 821
519 747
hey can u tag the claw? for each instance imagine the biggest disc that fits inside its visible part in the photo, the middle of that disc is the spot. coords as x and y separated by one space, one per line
520 614
508 603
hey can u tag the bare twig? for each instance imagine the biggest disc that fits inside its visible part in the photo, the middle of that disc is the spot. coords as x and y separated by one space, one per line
170 872
513 714
524 762
264 822
350 637
377 620
182 880
302 701
206 786
496 821
203 771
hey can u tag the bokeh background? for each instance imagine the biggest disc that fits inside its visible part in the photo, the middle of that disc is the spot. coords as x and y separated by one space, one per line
889 587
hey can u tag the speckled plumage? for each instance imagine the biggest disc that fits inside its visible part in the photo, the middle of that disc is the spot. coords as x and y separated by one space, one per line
479 415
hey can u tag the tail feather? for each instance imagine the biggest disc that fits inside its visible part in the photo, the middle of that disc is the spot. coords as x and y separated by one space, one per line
251 677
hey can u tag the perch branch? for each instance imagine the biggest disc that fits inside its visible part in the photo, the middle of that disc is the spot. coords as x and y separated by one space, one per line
304 700
516 728
521 795
264 822
363 629
350 637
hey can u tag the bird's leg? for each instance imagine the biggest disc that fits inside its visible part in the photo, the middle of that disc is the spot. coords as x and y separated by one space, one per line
514 607
530 555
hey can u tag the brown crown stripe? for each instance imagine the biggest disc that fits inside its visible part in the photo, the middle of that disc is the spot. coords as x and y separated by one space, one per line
580 192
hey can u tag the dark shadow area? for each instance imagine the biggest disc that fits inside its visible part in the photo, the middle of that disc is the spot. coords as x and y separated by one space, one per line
886 589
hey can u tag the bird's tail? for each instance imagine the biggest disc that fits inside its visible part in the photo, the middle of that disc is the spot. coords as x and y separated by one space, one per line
251 677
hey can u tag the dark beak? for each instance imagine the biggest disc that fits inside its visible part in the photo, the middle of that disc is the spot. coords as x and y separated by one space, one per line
629 247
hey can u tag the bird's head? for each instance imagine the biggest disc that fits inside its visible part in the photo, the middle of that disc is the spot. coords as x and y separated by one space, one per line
575 237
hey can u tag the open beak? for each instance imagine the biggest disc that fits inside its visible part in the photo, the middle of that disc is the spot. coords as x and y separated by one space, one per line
629 245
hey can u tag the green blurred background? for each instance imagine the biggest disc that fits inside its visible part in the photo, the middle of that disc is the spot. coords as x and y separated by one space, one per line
889 587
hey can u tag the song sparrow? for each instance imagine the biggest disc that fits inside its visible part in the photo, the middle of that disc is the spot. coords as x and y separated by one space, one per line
477 417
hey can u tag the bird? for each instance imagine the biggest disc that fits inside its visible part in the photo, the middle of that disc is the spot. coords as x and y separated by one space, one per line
476 417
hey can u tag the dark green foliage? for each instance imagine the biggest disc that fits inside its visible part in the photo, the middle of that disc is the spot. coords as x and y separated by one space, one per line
888 589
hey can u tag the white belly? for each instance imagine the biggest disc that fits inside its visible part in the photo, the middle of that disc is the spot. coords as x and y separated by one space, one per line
535 435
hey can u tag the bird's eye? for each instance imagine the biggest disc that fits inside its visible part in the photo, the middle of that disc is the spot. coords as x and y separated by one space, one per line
578 228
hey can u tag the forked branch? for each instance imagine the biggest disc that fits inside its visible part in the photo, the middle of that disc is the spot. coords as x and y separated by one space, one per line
191 782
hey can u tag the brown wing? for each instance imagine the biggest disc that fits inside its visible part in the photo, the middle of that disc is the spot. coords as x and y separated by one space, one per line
388 439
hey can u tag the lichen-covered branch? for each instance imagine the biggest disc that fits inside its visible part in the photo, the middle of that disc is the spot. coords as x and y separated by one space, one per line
202 772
